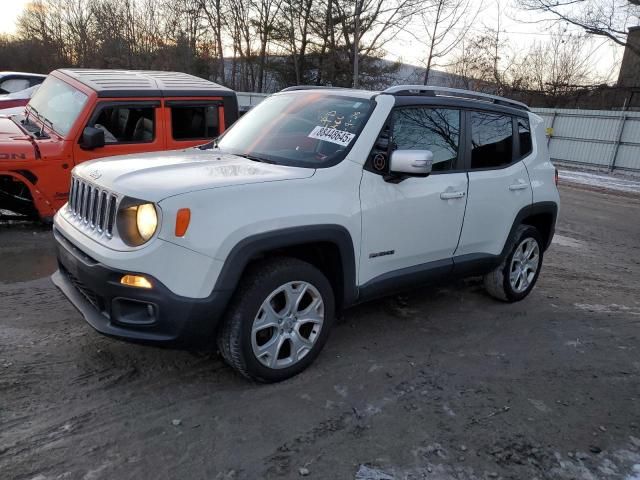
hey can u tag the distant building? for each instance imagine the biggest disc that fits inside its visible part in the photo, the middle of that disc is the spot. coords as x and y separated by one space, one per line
630 68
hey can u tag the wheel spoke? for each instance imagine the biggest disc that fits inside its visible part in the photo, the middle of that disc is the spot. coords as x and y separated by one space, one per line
293 294
299 345
530 247
268 319
514 276
270 350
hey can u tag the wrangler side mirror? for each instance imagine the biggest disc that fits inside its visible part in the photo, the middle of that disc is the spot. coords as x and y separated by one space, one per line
92 138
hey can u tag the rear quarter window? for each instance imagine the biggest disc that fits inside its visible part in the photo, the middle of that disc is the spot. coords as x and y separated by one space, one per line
524 136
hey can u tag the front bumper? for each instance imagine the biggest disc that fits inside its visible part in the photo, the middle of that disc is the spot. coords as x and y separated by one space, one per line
154 315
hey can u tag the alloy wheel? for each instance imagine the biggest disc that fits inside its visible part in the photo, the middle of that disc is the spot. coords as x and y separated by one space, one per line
287 324
524 265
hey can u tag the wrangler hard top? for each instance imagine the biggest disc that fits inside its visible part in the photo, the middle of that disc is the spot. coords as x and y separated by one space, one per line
82 114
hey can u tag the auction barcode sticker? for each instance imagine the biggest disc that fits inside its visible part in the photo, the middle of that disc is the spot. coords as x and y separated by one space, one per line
332 135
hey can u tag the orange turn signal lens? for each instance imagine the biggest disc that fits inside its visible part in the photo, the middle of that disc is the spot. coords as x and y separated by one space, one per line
183 217
135 281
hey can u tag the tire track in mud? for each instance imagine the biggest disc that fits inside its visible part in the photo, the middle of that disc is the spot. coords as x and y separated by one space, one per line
353 421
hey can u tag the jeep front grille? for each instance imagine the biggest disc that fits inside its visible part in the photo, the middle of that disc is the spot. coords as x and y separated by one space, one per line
93 206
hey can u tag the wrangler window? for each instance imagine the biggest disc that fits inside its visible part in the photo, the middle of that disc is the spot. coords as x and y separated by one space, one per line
126 124
194 122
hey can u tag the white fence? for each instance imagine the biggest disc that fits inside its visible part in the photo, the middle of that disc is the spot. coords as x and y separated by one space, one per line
604 139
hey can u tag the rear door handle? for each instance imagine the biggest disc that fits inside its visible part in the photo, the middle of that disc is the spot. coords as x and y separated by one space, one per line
518 186
451 195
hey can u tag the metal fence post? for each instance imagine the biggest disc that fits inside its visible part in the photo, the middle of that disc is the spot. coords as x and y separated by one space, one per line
553 121
623 120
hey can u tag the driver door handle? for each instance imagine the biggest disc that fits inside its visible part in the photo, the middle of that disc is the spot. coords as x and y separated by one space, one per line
451 195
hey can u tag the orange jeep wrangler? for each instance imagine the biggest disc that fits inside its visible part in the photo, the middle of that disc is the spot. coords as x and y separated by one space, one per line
80 115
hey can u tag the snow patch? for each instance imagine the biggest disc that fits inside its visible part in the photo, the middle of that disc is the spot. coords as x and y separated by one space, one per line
539 405
612 308
567 242
635 473
608 182
369 473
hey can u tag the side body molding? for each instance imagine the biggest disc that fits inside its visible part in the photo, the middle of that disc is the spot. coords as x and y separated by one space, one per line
251 247
457 267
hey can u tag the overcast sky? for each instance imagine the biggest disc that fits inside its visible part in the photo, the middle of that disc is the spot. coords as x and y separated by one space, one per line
520 36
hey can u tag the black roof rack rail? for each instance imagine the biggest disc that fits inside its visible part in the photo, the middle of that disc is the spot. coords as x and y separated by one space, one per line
453 92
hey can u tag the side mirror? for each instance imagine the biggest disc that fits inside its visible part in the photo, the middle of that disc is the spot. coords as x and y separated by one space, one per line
92 138
416 163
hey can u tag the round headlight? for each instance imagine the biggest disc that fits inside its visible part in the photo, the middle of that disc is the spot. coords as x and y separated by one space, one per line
146 220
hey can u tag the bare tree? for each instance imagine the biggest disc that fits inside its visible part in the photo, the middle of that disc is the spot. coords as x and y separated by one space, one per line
446 23
485 61
373 23
557 66
605 18
215 13
267 15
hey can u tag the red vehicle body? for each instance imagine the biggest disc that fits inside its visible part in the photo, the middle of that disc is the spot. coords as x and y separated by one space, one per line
80 115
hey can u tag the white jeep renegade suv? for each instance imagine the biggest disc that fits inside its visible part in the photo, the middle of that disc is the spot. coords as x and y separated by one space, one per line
315 200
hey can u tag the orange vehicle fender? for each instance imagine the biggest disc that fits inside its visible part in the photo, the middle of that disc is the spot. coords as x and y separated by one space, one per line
40 201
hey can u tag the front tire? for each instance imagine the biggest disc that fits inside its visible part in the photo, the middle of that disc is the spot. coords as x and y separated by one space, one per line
516 276
278 320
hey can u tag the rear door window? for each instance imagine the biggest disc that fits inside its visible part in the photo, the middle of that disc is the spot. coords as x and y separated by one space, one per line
194 122
491 140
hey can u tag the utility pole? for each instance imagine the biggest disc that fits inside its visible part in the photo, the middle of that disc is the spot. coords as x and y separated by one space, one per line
356 41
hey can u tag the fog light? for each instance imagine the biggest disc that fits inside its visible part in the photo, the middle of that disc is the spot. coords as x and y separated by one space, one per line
135 281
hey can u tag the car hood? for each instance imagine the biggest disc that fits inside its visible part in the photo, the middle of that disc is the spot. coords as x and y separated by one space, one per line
158 175
16 147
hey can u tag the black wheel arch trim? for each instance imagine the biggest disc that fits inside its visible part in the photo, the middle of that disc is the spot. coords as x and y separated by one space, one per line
536 208
250 247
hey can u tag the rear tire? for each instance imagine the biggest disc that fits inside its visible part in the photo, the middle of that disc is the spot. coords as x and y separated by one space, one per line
516 276
278 320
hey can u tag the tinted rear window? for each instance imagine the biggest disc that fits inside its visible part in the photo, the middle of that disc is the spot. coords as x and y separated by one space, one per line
524 133
491 140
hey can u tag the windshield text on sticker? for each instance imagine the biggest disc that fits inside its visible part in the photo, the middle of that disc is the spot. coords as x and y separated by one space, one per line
332 135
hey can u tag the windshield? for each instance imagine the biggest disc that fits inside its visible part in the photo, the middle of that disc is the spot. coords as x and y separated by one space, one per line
58 104
302 130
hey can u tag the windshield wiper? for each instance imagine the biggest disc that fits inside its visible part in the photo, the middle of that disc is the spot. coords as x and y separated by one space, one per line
39 133
30 111
254 158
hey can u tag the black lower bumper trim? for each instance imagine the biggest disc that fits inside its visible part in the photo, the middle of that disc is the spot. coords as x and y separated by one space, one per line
154 315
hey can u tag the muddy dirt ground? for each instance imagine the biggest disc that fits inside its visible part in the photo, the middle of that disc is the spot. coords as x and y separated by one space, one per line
443 383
